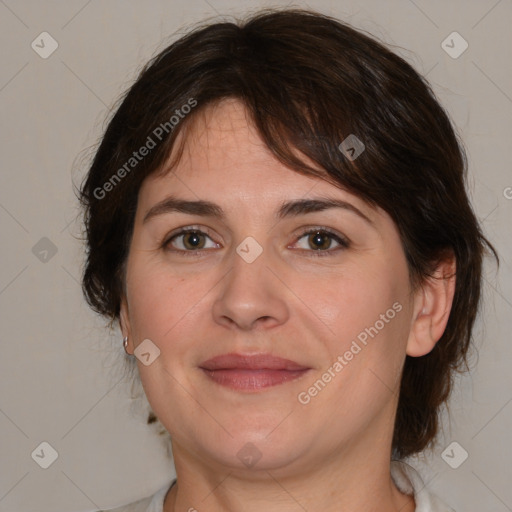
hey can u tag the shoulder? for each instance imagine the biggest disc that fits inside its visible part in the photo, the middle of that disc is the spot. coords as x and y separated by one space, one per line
137 506
409 481
153 503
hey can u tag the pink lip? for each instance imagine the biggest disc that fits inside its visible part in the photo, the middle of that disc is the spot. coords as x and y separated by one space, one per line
251 372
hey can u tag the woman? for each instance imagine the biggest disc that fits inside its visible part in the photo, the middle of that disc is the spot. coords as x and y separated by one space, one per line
276 216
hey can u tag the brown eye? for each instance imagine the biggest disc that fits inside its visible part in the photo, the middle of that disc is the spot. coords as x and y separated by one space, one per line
188 241
193 240
319 241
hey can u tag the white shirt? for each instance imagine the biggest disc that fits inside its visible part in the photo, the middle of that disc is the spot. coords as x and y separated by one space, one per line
406 478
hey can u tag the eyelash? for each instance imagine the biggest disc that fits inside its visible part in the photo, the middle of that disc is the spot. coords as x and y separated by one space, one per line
343 242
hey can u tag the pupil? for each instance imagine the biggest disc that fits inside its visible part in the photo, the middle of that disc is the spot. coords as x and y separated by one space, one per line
320 241
193 239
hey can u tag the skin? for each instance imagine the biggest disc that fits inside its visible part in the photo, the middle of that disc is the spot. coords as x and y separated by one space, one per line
334 452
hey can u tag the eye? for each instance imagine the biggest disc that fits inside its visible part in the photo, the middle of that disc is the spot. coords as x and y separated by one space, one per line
321 240
189 240
318 241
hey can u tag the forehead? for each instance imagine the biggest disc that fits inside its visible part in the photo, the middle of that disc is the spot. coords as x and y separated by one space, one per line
222 140
225 161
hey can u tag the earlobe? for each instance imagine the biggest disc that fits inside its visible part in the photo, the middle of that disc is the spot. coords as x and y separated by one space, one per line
124 323
432 306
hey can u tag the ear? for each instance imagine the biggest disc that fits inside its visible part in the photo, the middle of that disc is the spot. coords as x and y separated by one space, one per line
432 306
124 323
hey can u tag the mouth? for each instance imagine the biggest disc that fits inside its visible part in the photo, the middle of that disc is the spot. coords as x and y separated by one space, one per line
251 372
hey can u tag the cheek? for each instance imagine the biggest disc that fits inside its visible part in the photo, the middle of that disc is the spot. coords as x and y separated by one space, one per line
351 301
161 302
366 309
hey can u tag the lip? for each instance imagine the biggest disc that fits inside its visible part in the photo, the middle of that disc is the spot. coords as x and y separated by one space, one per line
251 372
236 361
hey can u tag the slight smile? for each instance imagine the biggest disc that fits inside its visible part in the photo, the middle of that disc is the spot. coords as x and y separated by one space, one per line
251 372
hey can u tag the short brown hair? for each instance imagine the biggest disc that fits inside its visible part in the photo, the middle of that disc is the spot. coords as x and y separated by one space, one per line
308 82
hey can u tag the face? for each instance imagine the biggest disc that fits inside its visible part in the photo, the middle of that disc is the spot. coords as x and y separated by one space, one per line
263 274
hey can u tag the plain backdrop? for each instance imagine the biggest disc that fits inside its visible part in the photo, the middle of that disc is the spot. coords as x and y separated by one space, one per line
61 382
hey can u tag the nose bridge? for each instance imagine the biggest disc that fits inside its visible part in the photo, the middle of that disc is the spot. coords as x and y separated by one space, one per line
249 278
251 293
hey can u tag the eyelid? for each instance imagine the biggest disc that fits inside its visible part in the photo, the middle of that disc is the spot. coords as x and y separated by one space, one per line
183 231
342 240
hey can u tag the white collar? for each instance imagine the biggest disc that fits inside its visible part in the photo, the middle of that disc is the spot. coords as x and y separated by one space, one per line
409 481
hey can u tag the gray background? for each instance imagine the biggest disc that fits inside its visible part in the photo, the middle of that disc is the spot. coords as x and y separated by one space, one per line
61 368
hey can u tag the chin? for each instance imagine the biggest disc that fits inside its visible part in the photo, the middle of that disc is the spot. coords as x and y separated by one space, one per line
254 450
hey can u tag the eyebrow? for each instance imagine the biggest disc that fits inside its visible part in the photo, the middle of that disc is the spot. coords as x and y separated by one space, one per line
286 210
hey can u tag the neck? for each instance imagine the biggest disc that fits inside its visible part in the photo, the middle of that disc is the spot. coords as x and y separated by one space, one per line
363 485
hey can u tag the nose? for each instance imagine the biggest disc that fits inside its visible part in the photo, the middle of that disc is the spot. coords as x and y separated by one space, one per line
251 296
